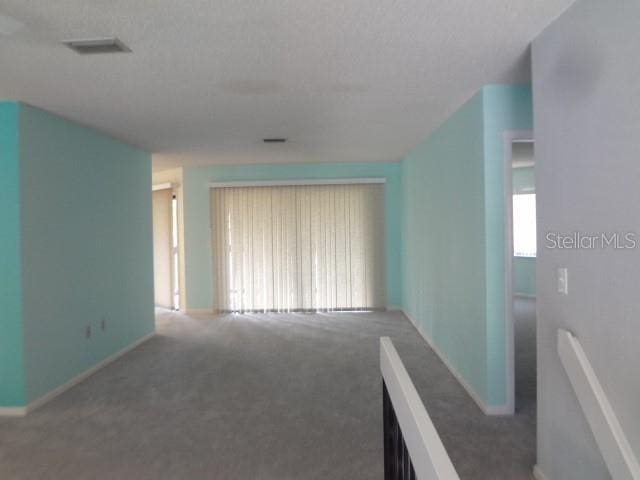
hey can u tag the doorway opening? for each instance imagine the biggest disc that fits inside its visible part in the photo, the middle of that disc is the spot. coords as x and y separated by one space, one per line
165 248
520 272
175 285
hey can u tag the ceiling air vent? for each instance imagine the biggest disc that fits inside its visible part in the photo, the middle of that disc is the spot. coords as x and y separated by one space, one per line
274 140
91 46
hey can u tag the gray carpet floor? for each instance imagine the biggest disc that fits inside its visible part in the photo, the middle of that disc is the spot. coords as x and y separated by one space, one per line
248 397
524 313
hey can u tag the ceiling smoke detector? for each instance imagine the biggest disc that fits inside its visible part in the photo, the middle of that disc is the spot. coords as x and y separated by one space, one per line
92 46
274 140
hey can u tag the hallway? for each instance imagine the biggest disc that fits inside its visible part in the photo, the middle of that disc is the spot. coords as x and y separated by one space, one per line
256 397
524 315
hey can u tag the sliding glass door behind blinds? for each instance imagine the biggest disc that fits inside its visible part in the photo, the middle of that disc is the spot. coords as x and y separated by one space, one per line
298 248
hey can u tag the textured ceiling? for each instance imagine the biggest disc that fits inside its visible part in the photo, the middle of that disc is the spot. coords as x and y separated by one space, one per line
350 80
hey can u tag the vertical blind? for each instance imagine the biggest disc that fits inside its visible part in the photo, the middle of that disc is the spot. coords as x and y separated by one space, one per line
298 248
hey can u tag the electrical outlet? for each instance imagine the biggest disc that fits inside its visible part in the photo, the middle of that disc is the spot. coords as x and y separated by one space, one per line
87 332
103 324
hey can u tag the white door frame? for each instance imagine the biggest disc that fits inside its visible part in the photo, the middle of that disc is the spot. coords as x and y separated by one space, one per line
510 136
172 277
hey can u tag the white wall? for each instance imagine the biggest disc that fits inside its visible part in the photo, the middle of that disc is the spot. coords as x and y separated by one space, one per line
586 79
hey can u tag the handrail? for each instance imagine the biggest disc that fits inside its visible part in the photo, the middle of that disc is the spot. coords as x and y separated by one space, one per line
408 426
613 443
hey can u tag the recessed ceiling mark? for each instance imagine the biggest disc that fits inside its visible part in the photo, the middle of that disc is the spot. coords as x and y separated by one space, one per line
9 25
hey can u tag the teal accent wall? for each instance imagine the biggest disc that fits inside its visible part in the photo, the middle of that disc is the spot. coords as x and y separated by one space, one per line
524 180
506 107
524 276
453 235
78 250
11 352
444 242
196 180
86 247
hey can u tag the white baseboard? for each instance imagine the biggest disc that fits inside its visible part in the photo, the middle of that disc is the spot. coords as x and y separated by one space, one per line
31 406
13 411
199 311
525 295
537 473
486 409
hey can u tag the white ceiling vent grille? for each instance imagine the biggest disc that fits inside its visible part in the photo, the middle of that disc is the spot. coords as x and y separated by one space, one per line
93 46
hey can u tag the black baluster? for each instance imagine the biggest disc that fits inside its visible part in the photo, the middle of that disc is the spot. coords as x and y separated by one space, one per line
397 461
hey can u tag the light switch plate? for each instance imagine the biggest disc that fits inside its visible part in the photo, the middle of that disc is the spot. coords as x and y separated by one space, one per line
563 281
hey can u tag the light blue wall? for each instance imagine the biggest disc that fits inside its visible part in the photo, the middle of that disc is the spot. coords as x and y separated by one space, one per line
524 180
198 269
453 235
506 107
11 353
524 275
84 206
86 247
444 241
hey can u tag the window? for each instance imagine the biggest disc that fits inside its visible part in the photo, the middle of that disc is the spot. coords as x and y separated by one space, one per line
298 248
524 225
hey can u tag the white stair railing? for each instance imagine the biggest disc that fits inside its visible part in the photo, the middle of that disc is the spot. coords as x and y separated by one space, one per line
613 443
413 449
